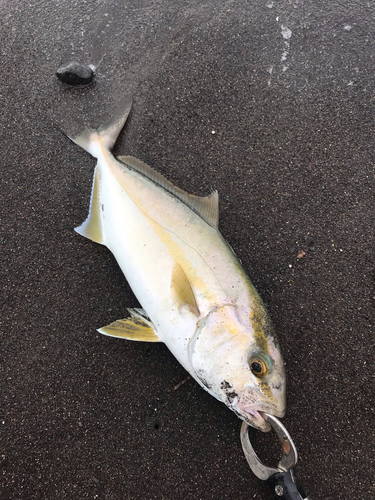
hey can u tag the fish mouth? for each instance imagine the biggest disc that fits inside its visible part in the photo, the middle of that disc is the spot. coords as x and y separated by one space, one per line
251 406
254 415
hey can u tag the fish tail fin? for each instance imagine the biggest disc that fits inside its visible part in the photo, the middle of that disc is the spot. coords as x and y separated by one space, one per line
92 140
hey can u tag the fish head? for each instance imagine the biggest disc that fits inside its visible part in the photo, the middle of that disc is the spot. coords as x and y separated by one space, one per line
238 360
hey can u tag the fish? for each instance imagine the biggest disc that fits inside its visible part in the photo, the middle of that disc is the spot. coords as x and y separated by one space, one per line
194 294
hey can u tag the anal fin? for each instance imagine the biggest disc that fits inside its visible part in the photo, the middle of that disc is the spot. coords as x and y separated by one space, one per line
137 327
92 227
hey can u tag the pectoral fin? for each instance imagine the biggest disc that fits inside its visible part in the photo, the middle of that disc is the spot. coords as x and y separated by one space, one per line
137 327
181 290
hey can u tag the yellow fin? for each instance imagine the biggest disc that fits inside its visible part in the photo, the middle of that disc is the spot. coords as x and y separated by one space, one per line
181 290
205 206
137 327
91 228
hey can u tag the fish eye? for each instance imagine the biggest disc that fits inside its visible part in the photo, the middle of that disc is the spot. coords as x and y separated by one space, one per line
259 366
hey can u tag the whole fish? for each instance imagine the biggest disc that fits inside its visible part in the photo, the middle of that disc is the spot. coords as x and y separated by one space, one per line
195 295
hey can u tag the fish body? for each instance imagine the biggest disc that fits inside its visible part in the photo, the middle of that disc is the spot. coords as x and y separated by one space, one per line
195 295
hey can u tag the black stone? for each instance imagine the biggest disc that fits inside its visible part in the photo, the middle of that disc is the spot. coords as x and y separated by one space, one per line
75 74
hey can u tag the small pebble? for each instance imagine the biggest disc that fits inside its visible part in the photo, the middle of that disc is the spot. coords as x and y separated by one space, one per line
75 74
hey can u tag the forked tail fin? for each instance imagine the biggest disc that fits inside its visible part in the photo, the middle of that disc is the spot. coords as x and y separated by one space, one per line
107 134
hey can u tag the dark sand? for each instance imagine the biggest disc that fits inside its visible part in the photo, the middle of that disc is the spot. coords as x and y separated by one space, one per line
89 417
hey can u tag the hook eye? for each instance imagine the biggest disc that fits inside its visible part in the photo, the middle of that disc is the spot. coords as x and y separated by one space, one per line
289 455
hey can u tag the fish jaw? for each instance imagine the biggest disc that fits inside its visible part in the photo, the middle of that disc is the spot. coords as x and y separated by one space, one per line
253 418
251 413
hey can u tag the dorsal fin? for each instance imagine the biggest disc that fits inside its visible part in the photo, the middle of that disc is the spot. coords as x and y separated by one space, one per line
205 206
